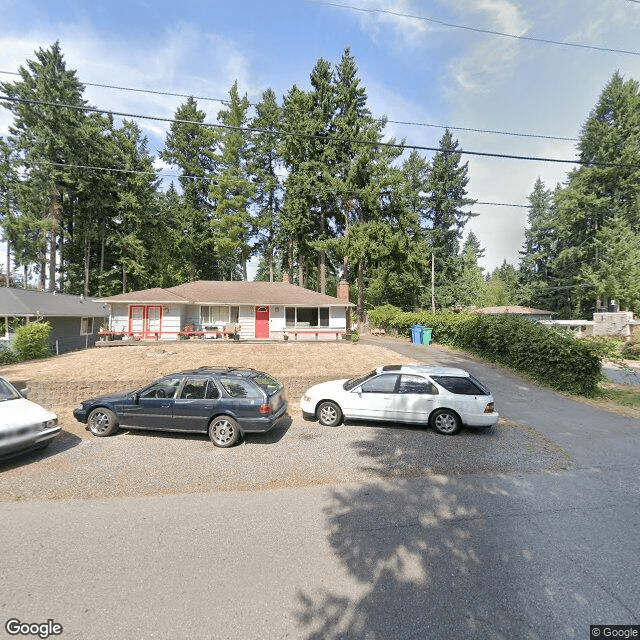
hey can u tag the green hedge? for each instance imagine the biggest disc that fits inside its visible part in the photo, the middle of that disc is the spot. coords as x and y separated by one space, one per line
31 341
546 354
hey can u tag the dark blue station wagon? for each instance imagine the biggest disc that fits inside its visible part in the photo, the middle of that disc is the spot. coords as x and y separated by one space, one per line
224 402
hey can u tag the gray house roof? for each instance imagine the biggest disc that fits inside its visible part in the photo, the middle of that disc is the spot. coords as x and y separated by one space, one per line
232 292
23 302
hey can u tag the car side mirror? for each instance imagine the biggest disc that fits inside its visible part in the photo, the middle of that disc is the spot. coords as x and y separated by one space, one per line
24 392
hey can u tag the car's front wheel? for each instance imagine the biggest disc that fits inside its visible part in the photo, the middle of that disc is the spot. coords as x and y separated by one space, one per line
329 414
102 422
224 431
446 421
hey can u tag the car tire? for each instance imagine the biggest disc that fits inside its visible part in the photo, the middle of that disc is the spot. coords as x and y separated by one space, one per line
329 414
446 422
224 431
102 422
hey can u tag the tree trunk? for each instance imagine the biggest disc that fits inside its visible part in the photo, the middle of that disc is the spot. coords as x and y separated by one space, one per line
8 264
54 213
290 254
360 303
42 261
345 262
87 258
300 270
322 266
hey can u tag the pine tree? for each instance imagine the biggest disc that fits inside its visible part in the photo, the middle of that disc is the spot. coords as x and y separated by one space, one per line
446 213
44 133
189 146
607 185
265 169
232 190
470 287
617 276
539 250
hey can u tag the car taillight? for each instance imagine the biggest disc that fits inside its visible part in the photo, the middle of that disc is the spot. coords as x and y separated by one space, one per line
489 408
265 408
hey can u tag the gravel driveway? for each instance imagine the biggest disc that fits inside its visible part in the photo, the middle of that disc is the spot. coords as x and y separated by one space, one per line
295 453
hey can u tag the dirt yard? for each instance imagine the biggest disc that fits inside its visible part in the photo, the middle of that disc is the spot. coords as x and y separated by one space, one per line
59 383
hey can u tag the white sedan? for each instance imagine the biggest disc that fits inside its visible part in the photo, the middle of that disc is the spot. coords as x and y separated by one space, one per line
24 425
443 397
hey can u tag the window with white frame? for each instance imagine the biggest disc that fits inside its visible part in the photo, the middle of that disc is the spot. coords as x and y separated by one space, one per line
86 326
307 317
218 314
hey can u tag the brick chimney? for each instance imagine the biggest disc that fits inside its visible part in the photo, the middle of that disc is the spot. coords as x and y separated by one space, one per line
285 277
343 290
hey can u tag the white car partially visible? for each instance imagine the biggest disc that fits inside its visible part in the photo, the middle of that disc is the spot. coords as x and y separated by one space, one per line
443 397
24 425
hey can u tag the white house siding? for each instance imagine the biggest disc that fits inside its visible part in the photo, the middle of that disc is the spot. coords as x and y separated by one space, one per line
337 318
119 320
247 320
172 319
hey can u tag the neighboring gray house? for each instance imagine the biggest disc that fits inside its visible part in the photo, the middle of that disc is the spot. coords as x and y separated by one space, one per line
256 310
74 320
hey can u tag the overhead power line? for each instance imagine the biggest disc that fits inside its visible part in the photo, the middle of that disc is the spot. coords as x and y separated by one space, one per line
402 122
451 25
295 134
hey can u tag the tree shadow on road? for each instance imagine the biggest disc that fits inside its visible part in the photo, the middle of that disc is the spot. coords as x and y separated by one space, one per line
432 555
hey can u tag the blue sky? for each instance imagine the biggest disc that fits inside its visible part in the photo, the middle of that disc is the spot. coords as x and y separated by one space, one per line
414 70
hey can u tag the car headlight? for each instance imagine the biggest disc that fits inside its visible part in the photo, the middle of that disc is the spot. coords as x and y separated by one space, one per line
49 423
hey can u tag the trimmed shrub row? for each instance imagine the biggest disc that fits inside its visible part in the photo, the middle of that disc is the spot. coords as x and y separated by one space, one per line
547 354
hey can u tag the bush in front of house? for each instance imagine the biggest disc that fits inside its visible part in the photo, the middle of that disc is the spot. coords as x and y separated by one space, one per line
547 354
31 341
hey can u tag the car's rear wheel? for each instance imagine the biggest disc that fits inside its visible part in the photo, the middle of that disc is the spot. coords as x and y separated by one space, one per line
329 414
102 422
224 431
446 421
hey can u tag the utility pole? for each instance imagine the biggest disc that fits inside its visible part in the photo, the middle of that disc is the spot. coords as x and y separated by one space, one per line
433 286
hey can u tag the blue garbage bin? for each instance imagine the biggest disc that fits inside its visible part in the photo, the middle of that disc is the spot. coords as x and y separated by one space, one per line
416 333
426 335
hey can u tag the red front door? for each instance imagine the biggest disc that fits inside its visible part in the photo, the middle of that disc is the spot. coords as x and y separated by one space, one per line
145 320
262 322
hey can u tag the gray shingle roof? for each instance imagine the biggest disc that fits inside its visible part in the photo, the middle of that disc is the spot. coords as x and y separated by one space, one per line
232 292
21 302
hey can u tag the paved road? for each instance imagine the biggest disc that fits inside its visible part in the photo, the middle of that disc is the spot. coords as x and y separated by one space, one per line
531 554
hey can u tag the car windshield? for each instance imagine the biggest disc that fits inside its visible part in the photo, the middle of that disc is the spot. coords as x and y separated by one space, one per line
354 382
7 391
267 383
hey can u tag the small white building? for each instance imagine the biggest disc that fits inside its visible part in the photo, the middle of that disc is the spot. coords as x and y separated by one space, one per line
212 309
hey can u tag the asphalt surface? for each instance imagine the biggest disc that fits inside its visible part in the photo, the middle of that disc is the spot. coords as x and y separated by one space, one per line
530 530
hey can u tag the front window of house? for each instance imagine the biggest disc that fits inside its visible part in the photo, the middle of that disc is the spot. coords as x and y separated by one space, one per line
300 317
218 314
86 326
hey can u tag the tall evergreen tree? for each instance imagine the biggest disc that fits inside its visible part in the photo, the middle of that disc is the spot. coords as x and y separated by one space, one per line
607 185
447 213
471 287
232 190
44 133
539 250
189 145
265 169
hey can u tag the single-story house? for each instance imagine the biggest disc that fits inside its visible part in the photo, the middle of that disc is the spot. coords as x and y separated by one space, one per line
252 310
517 310
75 321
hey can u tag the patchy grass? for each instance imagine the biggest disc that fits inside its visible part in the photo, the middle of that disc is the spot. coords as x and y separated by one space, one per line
621 395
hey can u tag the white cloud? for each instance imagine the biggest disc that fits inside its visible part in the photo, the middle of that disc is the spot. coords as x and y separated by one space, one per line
157 64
